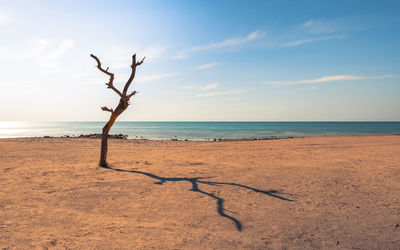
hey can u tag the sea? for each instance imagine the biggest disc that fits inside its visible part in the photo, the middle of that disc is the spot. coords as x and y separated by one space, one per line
198 131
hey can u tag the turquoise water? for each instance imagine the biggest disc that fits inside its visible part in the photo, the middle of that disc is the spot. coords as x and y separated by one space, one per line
199 130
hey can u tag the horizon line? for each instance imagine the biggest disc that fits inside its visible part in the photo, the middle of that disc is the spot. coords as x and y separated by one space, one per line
218 121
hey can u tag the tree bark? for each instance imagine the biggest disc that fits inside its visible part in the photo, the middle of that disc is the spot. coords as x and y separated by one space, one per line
104 149
122 106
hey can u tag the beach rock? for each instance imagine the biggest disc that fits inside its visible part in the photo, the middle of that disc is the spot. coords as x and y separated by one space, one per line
98 136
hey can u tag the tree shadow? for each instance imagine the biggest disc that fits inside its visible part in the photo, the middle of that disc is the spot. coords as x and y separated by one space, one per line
195 181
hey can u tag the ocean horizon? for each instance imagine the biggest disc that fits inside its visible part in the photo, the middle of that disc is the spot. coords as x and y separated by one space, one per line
198 130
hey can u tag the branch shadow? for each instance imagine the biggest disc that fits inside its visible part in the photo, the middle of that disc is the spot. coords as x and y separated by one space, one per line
195 181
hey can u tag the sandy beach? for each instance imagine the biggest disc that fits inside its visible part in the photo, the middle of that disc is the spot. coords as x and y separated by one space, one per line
301 193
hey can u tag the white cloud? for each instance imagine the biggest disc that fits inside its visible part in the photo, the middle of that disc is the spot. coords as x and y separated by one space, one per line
327 79
226 92
42 54
4 53
206 66
322 30
37 48
320 27
154 77
233 98
5 18
121 56
190 87
211 86
47 60
202 88
230 42
311 40
153 52
308 88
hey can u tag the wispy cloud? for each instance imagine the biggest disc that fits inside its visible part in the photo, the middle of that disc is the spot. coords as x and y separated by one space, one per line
43 54
326 79
153 52
4 53
337 25
312 40
199 87
320 30
190 87
320 26
230 42
47 60
206 66
210 86
36 48
121 55
233 98
154 77
226 92
5 18
308 88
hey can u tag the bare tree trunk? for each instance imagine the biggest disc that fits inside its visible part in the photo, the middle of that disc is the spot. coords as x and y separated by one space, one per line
107 127
123 104
104 146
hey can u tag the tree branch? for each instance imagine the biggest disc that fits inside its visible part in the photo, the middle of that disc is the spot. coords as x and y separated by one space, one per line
131 94
111 75
138 63
133 72
107 109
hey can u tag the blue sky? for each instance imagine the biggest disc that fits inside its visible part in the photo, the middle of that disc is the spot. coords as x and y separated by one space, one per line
205 60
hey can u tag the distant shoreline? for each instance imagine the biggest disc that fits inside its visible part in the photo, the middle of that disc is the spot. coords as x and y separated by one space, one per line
125 137
199 131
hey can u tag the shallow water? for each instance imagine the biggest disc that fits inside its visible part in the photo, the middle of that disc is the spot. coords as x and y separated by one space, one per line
198 130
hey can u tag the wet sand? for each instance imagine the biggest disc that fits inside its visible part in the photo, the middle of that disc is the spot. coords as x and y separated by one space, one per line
303 193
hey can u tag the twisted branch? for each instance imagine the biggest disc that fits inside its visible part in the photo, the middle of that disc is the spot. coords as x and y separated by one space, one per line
131 94
111 75
107 109
133 72
138 63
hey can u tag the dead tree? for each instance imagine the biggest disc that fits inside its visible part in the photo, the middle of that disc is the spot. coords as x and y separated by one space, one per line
122 105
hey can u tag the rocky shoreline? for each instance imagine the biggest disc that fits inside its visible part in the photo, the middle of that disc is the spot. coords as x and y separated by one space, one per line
90 136
125 137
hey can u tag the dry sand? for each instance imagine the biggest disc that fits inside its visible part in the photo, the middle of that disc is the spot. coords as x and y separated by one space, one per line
315 192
